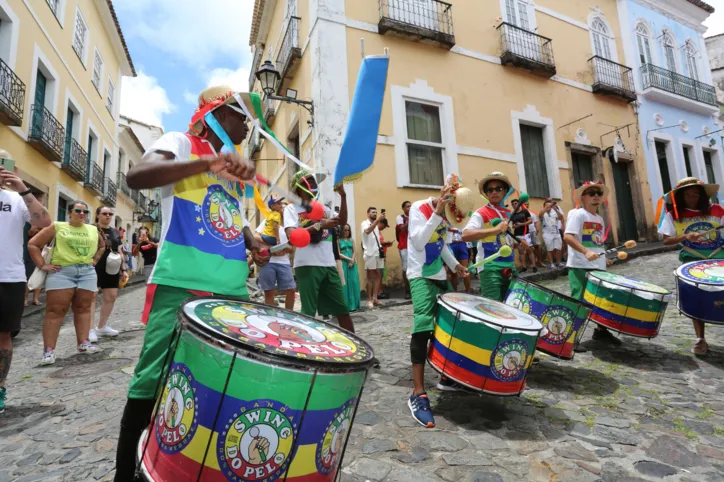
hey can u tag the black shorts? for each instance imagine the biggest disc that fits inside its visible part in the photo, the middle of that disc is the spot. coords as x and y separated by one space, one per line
105 280
12 304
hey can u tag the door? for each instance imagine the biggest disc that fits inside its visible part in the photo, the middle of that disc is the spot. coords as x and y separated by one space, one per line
624 201
37 124
711 178
687 162
68 134
582 169
663 166
89 160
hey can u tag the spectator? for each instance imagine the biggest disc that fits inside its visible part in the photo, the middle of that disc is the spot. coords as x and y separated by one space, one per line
552 217
348 253
401 231
372 253
384 224
535 237
148 247
521 222
30 231
276 275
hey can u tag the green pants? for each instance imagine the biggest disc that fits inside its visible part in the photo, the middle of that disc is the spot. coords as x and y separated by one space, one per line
424 301
493 285
577 280
157 340
320 291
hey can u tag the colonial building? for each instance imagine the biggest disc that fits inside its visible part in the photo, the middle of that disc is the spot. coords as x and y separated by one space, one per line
715 49
61 63
538 90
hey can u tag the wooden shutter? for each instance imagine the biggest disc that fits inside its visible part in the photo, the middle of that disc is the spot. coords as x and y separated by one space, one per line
534 161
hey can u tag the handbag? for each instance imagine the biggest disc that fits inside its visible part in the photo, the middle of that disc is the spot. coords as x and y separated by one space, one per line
379 247
113 263
37 279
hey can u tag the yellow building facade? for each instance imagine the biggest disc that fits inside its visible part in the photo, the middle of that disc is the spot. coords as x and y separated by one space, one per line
535 90
61 68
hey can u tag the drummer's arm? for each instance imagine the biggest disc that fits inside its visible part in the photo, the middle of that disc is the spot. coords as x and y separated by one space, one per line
571 240
422 229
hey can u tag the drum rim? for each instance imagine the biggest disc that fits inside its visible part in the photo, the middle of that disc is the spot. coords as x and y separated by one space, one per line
139 452
284 359
593 272
565 297
678 273
526 330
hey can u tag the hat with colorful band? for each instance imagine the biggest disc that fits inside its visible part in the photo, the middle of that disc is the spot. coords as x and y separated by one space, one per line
578 193
494 176
212 98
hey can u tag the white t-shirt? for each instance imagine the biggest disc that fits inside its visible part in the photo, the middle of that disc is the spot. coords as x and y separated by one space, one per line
13 216
282 240
532 229
423 235
369 241
551 223
320 254
589 230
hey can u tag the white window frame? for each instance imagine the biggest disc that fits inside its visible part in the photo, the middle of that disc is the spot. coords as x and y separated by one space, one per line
692 63
110 96
9 34
42 63
640 45
97 57
75 106
416 142
520 4
607 36
83 55
421 92
666 37
91 129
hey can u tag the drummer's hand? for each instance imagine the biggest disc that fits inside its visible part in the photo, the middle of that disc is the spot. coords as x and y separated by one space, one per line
444 199
502 227
255 448
692 236
461 271
609 262
590 255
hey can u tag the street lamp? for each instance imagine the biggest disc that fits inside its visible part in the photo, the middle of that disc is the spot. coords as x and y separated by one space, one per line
270 79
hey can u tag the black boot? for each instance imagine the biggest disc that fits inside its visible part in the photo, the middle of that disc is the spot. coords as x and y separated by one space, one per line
136 417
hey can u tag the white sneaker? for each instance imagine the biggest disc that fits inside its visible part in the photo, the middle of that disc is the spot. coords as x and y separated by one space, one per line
553 266
92 337
86 347
48 357
106 331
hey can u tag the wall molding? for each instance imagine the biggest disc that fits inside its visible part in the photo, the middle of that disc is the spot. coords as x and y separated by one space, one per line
561 17
486 153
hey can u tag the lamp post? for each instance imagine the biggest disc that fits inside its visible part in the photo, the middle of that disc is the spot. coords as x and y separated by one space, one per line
270 78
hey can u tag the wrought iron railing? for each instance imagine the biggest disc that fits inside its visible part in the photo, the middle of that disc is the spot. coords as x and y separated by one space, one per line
94 178
12 93
433 15
109 192
134 196
258 53
611 75
122 184
53 4
526 45
74 160
660 78
290 43
47 131
142 202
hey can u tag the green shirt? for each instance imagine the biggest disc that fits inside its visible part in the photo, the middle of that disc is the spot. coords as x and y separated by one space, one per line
74 245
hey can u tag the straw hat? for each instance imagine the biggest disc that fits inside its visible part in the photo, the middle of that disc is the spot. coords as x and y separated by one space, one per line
710 189
214 97
303 174
494 176
578 193
459 210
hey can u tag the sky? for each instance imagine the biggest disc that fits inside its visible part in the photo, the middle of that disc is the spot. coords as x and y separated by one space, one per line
180 47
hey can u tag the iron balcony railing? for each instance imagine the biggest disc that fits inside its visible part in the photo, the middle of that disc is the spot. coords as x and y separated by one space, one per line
94 178
524 48
122 184
12 96
290 46
142 202
611 77
74 160
46 133
433 16
258 52
134 196
660 78
109 192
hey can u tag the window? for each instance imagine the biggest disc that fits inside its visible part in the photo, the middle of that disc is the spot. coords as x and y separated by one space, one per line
687 161
663 166
601 39
643 40
80 36
110 96
53 4
424 144
690 49
534 161
516 12
582 168
97 70
62 208
669 51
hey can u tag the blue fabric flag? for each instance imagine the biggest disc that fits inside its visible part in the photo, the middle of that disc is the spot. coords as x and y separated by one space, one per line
360 140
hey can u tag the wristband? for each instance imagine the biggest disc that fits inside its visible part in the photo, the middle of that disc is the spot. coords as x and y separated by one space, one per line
25 193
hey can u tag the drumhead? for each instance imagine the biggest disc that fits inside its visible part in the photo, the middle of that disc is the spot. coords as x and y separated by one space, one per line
708 272
548 290
490 311
277 332
627 282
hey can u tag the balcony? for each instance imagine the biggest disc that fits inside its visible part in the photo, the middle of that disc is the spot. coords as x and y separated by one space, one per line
258 52
122 184
270 111
46 133
429 21
134 196
12 96
142 202
527 50
610 78
290 54
74 160
678 90
109 192
94 178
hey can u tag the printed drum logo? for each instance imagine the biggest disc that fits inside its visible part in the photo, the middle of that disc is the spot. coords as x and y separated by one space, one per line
257 442
705 242
495 310
508 360
177 418
520 300
329 449
708 271
559 321
222 216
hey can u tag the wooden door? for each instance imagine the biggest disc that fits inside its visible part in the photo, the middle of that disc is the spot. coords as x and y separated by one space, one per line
624 202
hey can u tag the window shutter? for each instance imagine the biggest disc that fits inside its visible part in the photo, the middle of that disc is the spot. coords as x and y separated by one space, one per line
534 161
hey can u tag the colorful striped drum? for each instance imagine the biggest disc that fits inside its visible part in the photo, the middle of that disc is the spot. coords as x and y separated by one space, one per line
563 316
254 393
700 290
483 344
626 305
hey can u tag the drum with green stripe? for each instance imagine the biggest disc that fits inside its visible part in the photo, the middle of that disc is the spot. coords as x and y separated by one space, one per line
483 344
254 393
626 305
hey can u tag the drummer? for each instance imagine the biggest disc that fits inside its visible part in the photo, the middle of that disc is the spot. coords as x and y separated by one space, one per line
195 255
584 236
689 214
427 254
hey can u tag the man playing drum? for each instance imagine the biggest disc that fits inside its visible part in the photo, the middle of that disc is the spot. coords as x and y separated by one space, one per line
426 253
585 237
690 217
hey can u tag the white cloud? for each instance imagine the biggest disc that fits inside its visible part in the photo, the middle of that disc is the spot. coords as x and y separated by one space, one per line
715 23
236 79
143 99
191 98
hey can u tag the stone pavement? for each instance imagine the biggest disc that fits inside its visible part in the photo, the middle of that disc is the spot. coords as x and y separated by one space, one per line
645 411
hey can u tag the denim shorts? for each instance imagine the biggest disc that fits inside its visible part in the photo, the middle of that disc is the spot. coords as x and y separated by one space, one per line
276 276
460 250
81 276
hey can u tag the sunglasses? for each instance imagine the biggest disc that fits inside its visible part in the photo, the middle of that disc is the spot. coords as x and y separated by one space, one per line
106 214
495 189
593 193
81 211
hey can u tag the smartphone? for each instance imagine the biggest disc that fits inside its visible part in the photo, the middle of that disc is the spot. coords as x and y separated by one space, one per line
8 164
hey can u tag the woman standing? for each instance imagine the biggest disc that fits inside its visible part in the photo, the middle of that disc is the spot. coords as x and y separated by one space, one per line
348 253
71 278
30 266
109 272
689 219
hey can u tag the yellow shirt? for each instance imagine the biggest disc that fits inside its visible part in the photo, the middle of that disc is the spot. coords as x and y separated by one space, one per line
74 245
272 221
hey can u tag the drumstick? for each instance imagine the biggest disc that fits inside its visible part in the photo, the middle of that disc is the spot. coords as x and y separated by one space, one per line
504 251
274 249
707 233
622 255
280 190
628 245
254 432
497 221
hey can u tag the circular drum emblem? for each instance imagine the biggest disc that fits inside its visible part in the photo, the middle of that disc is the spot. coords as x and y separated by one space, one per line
177 418
329 450
705 271
704 242
222 216
508 360
256 443
559 321
520 300
495 310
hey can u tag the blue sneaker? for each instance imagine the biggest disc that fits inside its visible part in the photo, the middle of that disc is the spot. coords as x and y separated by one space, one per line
420 409
447 385
3 396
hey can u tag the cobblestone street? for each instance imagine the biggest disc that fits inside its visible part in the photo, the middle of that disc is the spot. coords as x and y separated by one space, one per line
647 410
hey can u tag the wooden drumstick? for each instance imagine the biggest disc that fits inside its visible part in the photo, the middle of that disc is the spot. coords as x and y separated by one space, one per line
497 221
628 245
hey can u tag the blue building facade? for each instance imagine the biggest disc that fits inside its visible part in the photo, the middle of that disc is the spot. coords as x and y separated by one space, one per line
676 101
